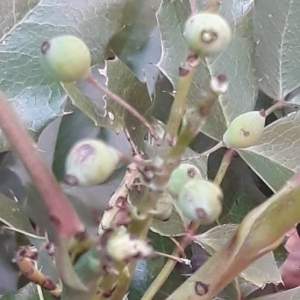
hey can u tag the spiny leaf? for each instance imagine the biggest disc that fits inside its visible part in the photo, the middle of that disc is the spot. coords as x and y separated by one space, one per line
235 62
277 156
276 24
262 271
37 98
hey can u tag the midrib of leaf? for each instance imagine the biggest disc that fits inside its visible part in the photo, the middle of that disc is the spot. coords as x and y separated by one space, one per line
281 48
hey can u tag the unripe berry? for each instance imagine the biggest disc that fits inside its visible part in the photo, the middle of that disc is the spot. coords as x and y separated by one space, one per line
207 34
180 176
67 57
245 130
163 208
90 162
200 200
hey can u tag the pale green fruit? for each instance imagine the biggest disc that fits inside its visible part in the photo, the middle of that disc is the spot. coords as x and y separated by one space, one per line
180 176
163 208
200 200
66 57
207 34
90 162
245 130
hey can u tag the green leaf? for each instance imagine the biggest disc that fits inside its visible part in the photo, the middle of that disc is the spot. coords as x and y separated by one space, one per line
123 82
276 158
93 110
235 62
138 44
262 271
293 294
240 191
12 12
29 292
37 98
11 214
276 24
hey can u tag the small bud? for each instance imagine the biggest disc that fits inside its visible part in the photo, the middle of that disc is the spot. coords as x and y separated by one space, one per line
66 57
200 200
207 34
90 162
180 176
163 208
121 246
245 130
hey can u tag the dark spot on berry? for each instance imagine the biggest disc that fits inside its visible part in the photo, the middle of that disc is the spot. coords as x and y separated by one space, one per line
71 180
246 133
45 47
201 213
201 288
208 36
83 152
191 172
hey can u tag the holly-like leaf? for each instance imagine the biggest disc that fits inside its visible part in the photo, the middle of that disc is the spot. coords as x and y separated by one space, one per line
276 158
236 62
262 271
276 24
37 98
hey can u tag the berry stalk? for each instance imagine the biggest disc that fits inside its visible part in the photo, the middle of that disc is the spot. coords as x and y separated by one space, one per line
121 102
186 75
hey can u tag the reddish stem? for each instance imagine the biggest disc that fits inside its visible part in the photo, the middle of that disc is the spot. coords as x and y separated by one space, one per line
61 213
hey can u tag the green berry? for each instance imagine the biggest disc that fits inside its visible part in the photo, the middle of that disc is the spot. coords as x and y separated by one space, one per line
90 162
200 200
163 208
207 34
180 176
245 130
66 57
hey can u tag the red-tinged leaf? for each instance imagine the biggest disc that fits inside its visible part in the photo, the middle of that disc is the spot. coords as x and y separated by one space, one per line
290 269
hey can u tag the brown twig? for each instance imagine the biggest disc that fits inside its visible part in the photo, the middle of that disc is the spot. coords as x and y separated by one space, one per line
61 213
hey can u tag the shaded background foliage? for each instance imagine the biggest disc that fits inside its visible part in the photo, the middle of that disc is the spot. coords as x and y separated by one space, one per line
143 51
